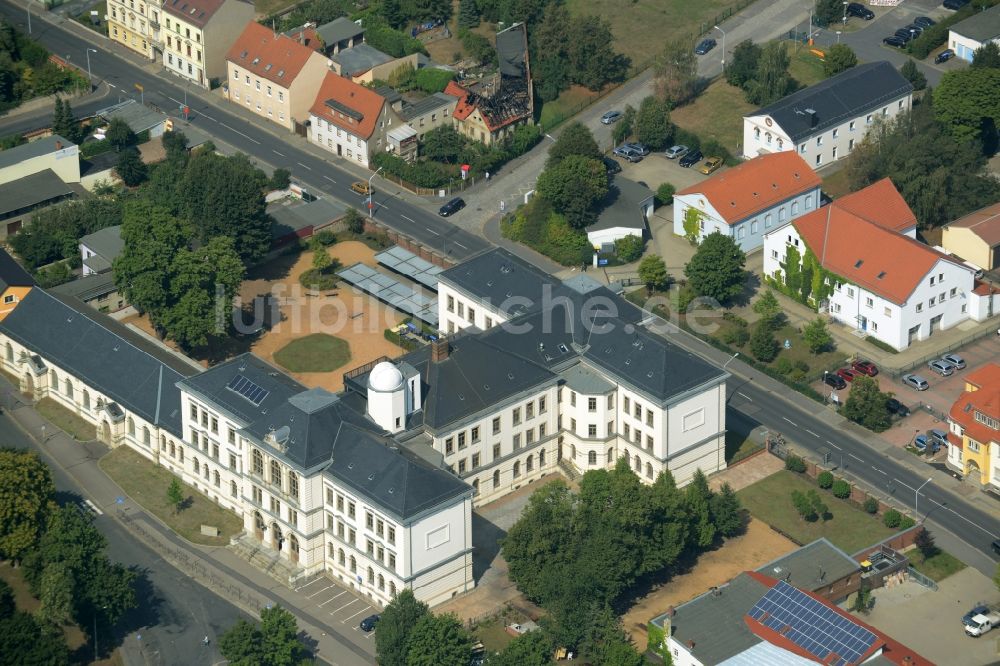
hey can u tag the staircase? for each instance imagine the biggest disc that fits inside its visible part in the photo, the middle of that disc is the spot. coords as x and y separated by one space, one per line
266 560
566 467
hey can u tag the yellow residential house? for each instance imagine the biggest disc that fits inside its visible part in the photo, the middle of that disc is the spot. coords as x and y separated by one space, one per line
197 34
135 24
15 283
974 428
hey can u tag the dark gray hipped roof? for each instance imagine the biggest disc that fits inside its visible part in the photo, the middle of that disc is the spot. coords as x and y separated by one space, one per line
338 30
106 242
33 149
427 105
103 354
622 207
981 26
815 565
12 274
861 89
315 427
359 59
38 188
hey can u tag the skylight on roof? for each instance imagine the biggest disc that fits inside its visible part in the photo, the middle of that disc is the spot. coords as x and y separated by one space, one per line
255 60
858 263
267 67
881 275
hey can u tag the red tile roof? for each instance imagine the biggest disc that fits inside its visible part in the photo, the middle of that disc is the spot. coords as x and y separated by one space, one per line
467 104
307 37
869 255
756 185
983 288
195 12
352 107
880 203
984 222
954 440
269 55
985 398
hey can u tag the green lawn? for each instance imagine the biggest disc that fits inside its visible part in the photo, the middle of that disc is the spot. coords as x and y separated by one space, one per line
798 351
147 484
836 184
806 67
492 635
715 114
570 102
270 7
62 418
849 528
738 447
318 352
937 567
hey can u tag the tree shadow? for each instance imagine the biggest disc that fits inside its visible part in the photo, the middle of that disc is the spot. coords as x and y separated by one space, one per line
750 286
278 268
147 613
486 545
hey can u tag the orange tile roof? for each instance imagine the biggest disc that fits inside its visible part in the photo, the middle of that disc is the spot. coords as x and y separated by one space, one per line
463 109
756 185
269 55
880 203
307 37
984 222
986 399
983 289
351 107
882 261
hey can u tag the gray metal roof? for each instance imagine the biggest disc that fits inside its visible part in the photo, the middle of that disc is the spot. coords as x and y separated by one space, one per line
38 188
406 263
390 94
103 353
392 292
623 206
981 26
106 242
338 30
138 116
582 379
290 217
359 59
86 288
315 427
32 149
12 274
812 566
847 95
427 105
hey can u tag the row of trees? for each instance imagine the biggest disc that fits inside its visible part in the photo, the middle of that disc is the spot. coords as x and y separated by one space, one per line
25 70
580 554
274 641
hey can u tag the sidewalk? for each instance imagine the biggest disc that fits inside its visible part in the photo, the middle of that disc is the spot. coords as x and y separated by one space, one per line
217 569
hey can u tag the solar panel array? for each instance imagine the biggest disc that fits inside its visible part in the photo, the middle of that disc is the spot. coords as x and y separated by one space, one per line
249 390
406 263
812 626
392 292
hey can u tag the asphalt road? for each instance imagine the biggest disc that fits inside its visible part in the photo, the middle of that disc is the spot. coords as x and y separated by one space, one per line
317 175
42 118
174 612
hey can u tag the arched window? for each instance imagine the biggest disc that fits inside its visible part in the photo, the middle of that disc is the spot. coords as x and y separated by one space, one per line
68 388
795 208
180 454
197 466
637 464
767 138
86 399
371 576
592 458
293 486
130 427
216 478
173 451
392 589
756 133
10 353
53 380
145 435
517 469
541 458
496 479
781 144
258 463
381 582
611 456
767 221
809 202
475 487
354 565
275 473
649 471
529 464
234 489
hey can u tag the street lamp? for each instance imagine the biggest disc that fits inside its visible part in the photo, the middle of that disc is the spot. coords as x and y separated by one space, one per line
730 360
838 36
90 77
845 12
28 7
371 197
723 44
916 497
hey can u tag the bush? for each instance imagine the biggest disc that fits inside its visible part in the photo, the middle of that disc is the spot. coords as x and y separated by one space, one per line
421 174
841 489
683 137
280 179
665 194
784 365
321 280
629 248
906 523
892 518
881 345
736 335
793 463
824 480
538 227
870 505
432 80
326 238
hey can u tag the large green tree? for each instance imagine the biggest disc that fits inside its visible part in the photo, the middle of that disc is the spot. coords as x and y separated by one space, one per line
273 641
772 81
866 404
130 167
395 626
675 72
817 336
839 58
25 640
967 103
550 52
828 12
26 500
741 66
913 75
119 134
717 268
443 144
574 187
574 139
987 55
652 123
438 640
593 61
468 14
530 649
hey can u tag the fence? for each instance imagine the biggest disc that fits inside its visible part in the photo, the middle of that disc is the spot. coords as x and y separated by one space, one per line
922 579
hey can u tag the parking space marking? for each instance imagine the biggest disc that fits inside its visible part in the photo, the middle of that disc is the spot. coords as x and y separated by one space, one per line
313 581
744 396
323 590
365 609
344 606
790 421
333 598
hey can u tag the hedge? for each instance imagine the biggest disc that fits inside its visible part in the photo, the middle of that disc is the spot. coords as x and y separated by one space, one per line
397 339
884 346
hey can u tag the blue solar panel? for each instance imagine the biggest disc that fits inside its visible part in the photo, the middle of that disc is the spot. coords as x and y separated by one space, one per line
249 390
812 626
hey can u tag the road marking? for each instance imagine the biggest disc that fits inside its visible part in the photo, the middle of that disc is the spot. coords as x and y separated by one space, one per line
332 598
408 218
946 508
366 608
304 166
248 138
834 445
855 457
205 115
93 507
322 590
432 231
277 153
744 396
879 471
330 179
811 433
111 85
314 580
344 606
460 245
790 421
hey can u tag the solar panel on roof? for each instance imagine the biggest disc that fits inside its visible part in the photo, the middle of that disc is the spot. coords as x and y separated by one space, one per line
813 626
252 392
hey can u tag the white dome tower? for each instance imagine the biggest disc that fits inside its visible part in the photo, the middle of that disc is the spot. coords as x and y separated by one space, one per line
387 397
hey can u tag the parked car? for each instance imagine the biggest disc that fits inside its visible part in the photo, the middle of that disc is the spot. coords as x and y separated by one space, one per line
955 360
996 546
611 165
834 381
360 187
691 158
914 29
924 22
847 374
904 34
859 10
920 443
368 624
938 436
452 207
865 368
944 56
894 41
622 150
710 165
611 117
954 4
704 46
633 156
639 148
916 381
943 368
676 151
896 407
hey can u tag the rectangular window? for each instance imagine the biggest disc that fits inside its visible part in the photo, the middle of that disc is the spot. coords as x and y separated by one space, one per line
869 301
638 411
517 415
350 510
451 304
379 527
649 442
496 425
340 503
475 460
649 417
920 307
369 520
887 312
461 441
517 441
449 446
592 430
625 404
541 405
626 429
611 401
529 410
591 404
836 133
529 436
475 435
461 466
391 534
572 399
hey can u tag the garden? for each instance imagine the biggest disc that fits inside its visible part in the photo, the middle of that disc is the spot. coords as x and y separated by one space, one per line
318 352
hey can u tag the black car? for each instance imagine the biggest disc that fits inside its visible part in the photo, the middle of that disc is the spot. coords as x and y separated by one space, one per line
944 56
996 546
834 381
704 46
859 10
611 165
904 34
894 41
691 158
368 624
914 29
452 207
924 22
954 4
896 407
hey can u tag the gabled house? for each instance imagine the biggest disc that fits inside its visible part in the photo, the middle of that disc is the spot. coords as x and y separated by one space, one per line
824 122
625 212
339 34
350 120
748 200
974 428
196 35
971 34
274 76
976 237
99 250
866 272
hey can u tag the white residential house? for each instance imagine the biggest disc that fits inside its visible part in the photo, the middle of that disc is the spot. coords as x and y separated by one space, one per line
971 34
625 212
824 122
748 200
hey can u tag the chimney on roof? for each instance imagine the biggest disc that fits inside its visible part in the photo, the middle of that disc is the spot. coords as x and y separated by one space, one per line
302 37
58 145
690 645
811 113
440 349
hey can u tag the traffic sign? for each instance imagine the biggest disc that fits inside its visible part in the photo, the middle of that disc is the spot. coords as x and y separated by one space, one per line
139 87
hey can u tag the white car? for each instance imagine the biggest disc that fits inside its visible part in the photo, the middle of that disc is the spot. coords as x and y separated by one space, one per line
676 151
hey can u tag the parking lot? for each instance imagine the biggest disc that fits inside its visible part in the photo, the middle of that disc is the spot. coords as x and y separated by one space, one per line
342 604
655 169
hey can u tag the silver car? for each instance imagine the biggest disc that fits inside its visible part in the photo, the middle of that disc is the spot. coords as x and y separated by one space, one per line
942 367
639 148
955 360
939 437
916 381
611 117
676 151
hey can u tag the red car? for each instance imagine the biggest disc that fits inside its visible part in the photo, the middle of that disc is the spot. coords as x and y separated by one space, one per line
865 368
847 374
